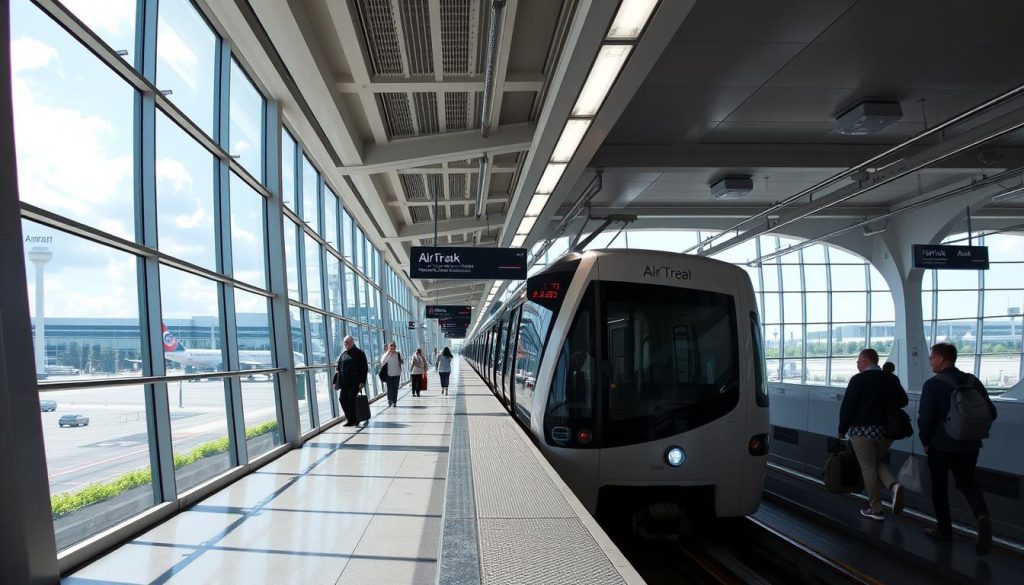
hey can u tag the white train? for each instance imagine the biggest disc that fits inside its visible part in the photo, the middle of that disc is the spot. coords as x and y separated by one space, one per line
640 376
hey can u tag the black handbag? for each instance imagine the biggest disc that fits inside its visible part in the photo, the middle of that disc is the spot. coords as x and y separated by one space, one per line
897 425
382 373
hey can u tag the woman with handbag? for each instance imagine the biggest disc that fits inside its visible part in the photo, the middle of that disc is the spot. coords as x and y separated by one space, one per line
391 372
444 368
417 370
870 410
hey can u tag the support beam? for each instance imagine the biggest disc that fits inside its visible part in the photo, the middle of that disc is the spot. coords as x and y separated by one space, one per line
474 83
501 198
454 169
344 25
722 211
444 228
455 146
501 81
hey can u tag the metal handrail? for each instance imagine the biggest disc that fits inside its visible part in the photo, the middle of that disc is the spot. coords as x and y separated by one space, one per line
108 382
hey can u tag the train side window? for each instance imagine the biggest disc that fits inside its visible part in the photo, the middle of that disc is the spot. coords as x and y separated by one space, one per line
533 329
760 374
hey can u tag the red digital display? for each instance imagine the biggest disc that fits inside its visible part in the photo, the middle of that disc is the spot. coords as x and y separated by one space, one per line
547 291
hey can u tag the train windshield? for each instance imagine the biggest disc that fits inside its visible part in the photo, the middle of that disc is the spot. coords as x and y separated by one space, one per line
672 360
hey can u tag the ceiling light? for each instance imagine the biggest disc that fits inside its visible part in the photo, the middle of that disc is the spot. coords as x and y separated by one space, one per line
631 19
525 226
1012 193
602 75
518 241
868 117
537 205
572 135
549 180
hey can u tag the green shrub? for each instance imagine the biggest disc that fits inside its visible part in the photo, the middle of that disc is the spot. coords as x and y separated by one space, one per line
67 502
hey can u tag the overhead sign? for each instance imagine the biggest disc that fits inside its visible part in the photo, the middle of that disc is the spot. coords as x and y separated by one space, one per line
468 263
442 311
951 257
460 334
453 322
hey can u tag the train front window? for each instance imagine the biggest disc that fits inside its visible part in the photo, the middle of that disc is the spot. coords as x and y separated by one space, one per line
672 360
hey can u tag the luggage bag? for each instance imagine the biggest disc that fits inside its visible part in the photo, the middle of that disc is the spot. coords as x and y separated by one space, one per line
362 408
842 473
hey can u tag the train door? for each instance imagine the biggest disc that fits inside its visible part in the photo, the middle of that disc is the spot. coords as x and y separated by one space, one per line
510 348
499 355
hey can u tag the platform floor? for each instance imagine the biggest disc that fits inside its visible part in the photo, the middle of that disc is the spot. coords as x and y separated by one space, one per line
353 506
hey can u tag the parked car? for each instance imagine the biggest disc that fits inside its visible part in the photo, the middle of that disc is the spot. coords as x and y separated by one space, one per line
73 420
47 405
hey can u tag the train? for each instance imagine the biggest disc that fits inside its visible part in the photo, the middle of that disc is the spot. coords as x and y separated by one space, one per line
640 376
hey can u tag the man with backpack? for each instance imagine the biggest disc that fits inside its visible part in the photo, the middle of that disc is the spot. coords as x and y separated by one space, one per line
954 415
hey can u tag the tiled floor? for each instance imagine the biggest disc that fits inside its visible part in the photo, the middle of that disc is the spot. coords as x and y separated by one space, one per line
352 506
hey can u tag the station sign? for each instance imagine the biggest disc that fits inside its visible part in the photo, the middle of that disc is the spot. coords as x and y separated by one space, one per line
453 322
951 257
460 334
443 311
451 262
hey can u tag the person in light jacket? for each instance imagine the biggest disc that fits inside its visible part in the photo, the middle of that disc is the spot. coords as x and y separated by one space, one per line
392 360
443 363
416 371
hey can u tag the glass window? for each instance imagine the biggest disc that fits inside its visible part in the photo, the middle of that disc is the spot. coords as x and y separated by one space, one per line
669 350
186 52
302 393
199 425
791 276
1004 302
288 147
848 306
959 279
792 307
816 277
184 188
882 307
310 202
248 237
318 339
814 254
817 340
770 275
314 289
760 375
88 322
246 114
953 304
814 372
114 22
848 277
351 307
291 258
326 397
331 218
262 429
816 307
360 240
346 235
770 310
73 118
298 337
999 275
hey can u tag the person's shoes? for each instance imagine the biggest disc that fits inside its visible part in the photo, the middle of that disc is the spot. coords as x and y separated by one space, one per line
897 499
933 532
867 513
984 544
348 424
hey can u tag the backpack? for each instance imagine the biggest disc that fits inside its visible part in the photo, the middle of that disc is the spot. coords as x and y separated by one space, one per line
969 417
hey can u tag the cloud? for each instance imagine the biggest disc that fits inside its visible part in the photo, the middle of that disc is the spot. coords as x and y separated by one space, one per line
111 16
175 173
28 54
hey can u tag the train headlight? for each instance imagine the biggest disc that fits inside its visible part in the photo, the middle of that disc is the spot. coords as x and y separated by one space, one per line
675 456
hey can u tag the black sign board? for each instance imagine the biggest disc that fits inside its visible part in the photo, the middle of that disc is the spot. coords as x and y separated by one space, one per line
443 311
453 322
412 324
468 263
460 334
951 257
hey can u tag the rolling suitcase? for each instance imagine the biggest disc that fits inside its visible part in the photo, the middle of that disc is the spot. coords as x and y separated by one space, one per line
362 408
842 472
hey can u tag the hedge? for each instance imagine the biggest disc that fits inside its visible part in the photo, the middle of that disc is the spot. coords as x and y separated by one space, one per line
68 502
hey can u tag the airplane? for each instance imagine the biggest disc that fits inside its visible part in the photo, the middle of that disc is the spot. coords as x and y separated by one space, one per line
213 359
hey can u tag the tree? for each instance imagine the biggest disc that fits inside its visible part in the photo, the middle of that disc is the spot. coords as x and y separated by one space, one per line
72 355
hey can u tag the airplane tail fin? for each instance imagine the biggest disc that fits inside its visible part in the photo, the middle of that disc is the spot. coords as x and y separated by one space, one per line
170 343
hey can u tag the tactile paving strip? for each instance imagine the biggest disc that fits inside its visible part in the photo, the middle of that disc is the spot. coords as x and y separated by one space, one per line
507 480
549 551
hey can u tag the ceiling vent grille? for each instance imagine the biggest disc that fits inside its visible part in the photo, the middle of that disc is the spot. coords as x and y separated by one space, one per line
419 214
455 112
457 187
381 37
395 107
426 112
455 36
416 27
413 187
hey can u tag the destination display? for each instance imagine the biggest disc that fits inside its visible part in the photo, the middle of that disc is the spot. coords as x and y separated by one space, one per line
442 311
453 322
468 263
951 257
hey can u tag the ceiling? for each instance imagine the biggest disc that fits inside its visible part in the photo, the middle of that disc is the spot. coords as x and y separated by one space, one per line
390 94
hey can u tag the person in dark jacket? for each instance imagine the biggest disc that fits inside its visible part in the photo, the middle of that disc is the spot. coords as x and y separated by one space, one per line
871 396
350 378
946 454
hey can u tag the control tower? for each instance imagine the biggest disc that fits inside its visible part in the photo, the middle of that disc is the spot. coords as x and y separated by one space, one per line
40 256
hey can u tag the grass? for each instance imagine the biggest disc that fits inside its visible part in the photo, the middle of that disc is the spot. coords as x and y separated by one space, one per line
68 502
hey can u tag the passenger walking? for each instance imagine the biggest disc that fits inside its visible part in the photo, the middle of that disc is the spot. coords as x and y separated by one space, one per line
871 397
416 371
954 447
392 361
889 368
350 378
443 363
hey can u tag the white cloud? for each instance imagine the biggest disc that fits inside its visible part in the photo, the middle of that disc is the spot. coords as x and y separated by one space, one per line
112 16
28 54
174 51
197 219
174 172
